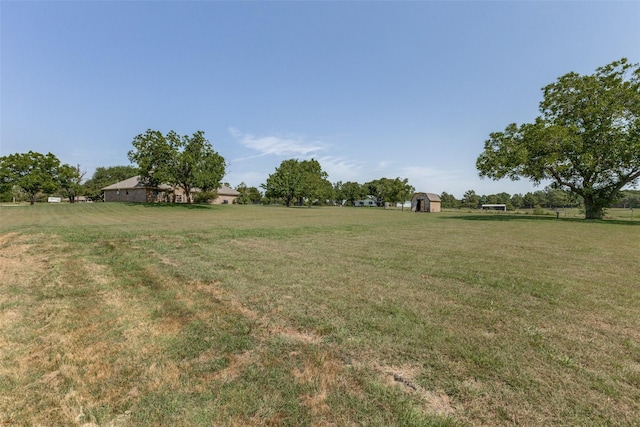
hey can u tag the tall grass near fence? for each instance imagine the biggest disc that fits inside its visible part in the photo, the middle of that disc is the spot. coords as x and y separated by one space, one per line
119 314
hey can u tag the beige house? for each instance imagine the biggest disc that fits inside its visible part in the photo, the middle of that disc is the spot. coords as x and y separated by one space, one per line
226 196
425 202
133 190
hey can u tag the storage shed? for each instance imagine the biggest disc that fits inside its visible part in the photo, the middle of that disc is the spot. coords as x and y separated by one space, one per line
425 202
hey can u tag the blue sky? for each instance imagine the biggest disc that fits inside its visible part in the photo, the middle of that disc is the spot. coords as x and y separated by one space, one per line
370 89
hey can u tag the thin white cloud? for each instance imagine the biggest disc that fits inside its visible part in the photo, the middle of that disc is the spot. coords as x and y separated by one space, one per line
383 164
423 172
278 145
429 179
341 169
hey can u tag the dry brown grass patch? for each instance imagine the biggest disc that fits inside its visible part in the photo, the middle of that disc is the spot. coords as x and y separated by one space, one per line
325 374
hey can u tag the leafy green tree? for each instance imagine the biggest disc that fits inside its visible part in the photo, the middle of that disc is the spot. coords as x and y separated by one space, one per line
255 196
470 199
529 200
586 140
32 172
154 154
6 193
70 180
352 191
503 198
400 191
248 195
449 201
284 183
297 180
541 198
105 176
314 186
338 193
243 198
556 198
188 162
517 201
491 199
386 190
375 189
629 199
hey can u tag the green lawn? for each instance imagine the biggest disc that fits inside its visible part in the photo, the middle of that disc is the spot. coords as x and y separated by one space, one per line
139 315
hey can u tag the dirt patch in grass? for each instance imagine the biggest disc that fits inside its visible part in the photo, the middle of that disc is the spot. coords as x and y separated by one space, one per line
405 377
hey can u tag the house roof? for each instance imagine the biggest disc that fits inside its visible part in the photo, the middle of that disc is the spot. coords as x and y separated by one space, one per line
132 183
227 191
432 197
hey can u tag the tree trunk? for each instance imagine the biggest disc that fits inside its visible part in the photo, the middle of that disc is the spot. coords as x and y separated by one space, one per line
593 209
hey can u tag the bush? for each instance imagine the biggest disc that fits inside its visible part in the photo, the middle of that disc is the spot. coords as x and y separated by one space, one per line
537 210
204 197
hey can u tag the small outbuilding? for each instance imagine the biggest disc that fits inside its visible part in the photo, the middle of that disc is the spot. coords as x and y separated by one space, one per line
425 202
494 207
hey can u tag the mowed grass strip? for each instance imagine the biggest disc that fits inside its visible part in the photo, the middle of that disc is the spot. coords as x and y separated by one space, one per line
118 314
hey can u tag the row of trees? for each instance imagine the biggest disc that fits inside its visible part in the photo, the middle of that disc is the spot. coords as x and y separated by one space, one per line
551 198
183 161
304 182
34 173
383 190
24 176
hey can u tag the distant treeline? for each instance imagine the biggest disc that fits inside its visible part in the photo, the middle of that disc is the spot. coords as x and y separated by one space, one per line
548 198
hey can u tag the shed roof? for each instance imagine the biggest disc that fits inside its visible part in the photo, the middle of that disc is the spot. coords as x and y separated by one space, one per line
432 197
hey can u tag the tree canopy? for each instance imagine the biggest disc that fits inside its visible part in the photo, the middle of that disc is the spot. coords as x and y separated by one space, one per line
386 190
70 180
348 192
248 195
586 140
298 180
188 162
32 172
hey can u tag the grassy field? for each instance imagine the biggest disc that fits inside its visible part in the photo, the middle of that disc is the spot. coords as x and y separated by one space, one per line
139 315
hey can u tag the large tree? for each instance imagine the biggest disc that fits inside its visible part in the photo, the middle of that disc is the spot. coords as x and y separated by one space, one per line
348 192
70 180
586 140
248 195
470 199
188 162
314 186
32 172
298 180
386 190
448 200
